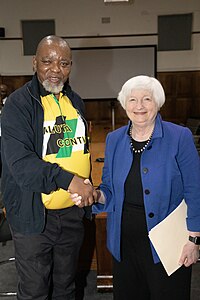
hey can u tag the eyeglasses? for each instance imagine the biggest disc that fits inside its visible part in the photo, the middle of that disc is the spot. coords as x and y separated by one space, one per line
144 101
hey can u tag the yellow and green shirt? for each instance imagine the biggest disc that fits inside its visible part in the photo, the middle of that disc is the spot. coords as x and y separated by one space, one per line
64 143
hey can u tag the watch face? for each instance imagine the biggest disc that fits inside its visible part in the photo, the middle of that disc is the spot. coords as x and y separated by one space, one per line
195 239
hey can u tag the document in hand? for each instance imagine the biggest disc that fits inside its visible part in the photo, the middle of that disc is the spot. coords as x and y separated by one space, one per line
169 236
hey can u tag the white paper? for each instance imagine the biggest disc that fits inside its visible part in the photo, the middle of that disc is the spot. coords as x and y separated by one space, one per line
169 236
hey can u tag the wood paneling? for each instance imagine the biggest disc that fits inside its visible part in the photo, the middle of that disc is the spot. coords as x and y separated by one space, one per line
103 256
182 91
182 96
14 82
99 111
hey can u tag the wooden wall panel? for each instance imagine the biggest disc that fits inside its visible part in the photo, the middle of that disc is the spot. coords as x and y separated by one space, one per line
99 111
184 84
195 108
196 85
14 82
168 82
182 91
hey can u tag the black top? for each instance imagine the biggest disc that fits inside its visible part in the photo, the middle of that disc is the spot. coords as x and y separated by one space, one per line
133 183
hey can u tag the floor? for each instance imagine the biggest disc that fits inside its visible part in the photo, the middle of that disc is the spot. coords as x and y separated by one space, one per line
86 281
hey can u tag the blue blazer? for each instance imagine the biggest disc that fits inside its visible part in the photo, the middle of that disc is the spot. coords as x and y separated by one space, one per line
170 172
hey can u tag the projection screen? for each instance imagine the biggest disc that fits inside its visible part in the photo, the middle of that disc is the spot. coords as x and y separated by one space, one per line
99 73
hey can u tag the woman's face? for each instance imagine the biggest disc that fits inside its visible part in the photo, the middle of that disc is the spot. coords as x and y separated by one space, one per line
141 108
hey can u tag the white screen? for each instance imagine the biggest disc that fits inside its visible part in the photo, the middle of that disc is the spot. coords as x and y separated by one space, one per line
99 73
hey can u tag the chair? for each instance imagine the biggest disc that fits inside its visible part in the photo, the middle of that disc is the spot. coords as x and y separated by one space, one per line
5 236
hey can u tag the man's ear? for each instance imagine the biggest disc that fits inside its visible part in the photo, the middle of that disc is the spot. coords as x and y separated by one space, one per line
34 64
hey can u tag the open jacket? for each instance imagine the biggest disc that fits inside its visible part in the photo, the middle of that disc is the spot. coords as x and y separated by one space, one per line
25 175
170 172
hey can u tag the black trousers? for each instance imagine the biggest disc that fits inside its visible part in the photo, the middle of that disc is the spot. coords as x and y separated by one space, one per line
136 277
47 262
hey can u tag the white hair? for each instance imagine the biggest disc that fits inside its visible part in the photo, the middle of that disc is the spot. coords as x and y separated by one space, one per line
142 82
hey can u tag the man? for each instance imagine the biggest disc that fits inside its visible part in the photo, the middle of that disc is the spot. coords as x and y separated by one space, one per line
3 97
3 94
45 144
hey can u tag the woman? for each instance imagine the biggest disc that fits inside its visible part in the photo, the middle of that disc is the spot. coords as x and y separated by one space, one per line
150 166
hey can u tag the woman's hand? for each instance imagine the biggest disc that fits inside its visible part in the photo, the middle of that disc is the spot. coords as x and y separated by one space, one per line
190 254
76 199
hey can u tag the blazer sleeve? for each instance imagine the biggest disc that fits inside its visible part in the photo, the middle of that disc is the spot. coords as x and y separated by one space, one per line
189 163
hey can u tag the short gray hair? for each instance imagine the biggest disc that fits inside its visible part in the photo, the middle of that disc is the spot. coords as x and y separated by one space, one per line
142 82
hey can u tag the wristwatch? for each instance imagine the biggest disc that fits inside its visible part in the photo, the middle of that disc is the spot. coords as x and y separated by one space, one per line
194 239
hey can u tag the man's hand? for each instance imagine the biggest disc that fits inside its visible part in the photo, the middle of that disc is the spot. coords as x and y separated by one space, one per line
85 192
98 196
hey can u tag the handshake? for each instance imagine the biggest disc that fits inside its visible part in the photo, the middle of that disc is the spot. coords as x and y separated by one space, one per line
83 193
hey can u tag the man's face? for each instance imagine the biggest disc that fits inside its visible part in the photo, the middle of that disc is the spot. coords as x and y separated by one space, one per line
3 91
3 94
53 65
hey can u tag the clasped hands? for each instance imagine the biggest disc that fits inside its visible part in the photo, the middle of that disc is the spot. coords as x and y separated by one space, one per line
82 192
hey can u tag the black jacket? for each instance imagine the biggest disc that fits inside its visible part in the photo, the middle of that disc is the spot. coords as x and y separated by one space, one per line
25 175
